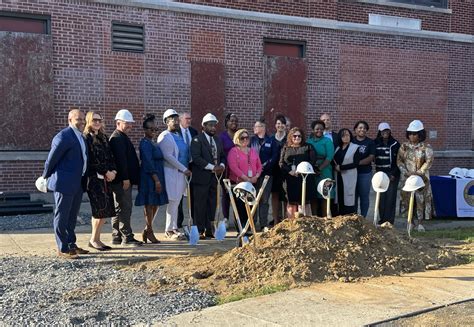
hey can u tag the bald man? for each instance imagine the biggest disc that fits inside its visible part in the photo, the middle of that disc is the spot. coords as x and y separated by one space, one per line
65 170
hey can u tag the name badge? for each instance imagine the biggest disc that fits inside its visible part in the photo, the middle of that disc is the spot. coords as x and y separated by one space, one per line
249 173
267 145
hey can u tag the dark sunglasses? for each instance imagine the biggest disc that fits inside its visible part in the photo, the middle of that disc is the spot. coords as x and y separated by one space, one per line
153 129
412 133
243 138
297 136
97 120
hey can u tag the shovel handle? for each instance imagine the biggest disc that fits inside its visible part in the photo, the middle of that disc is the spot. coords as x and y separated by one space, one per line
376 209
410 212
232 202
303 196
252 223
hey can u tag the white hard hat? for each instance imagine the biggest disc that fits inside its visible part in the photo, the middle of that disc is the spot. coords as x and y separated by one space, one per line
415 126
380 182
464 172
169 113
470 173
324 187
413 183
124 115
384 126
246 192
42 184
208 118
304 167
456 172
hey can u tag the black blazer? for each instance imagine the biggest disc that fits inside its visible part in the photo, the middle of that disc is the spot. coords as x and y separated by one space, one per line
192 131
202 156
126 160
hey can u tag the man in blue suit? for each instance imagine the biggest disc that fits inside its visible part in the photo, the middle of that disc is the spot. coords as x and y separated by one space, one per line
65 169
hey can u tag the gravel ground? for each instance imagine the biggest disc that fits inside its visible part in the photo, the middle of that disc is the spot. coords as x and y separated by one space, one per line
46 291
33 221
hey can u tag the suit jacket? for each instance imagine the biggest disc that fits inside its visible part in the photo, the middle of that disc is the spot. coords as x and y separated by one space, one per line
126 160
64 165
201 153
192 131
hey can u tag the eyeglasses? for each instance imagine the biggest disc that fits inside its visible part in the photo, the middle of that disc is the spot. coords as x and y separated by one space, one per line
97 120
297 136
242 138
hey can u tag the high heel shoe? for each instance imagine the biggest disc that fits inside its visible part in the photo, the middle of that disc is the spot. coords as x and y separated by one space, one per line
148 235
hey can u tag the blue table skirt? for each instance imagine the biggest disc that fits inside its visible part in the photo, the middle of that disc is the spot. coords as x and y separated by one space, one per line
444 196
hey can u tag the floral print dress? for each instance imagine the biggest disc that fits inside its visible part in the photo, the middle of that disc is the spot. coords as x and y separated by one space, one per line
416 158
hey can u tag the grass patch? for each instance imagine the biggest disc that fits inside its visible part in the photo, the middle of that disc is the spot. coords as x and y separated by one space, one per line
461 234
270 289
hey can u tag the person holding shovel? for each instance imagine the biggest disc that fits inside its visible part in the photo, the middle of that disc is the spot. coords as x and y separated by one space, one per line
175 167
386 151
244 166
415 157
209 164
346 160
295 151
324 149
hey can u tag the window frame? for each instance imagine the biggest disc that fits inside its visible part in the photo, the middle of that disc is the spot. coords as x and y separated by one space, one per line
36 17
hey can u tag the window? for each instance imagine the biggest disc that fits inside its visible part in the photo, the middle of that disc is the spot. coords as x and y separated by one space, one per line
17 22
428 3
284 48
126 37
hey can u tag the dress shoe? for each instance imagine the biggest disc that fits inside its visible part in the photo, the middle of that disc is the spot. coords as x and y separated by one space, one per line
98 248
106 247
116 241
202 237
148 235
79 251
132 242
68 255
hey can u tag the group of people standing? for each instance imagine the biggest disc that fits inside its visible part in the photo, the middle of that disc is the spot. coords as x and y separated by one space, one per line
180 160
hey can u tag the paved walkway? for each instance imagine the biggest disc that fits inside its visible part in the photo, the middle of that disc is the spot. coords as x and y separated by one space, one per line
341 304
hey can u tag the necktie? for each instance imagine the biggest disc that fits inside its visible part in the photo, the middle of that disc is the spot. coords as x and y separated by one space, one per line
213 150
186 137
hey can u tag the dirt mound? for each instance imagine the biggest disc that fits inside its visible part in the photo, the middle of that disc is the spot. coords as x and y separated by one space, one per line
312 249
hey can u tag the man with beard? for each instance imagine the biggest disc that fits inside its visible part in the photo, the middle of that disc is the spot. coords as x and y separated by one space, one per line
208 160
175 152
65 170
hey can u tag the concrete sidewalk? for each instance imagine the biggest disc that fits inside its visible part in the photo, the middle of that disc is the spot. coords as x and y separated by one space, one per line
341 304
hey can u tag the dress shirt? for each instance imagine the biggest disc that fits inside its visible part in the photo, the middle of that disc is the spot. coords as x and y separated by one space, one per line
210 166
80 138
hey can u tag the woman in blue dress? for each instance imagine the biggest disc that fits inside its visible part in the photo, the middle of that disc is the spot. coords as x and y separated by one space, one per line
151 190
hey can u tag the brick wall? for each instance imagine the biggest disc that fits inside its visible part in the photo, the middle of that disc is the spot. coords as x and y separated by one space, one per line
350 75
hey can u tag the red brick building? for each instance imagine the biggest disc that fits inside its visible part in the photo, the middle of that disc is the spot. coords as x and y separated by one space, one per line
392 60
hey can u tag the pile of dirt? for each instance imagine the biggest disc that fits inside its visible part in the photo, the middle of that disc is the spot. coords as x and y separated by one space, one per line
312 249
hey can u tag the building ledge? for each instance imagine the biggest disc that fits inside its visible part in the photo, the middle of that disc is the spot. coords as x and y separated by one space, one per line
285 19
454 154
23 155
389 3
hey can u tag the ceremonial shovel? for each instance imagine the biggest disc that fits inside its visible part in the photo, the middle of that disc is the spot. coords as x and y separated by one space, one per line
380 184
412 184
